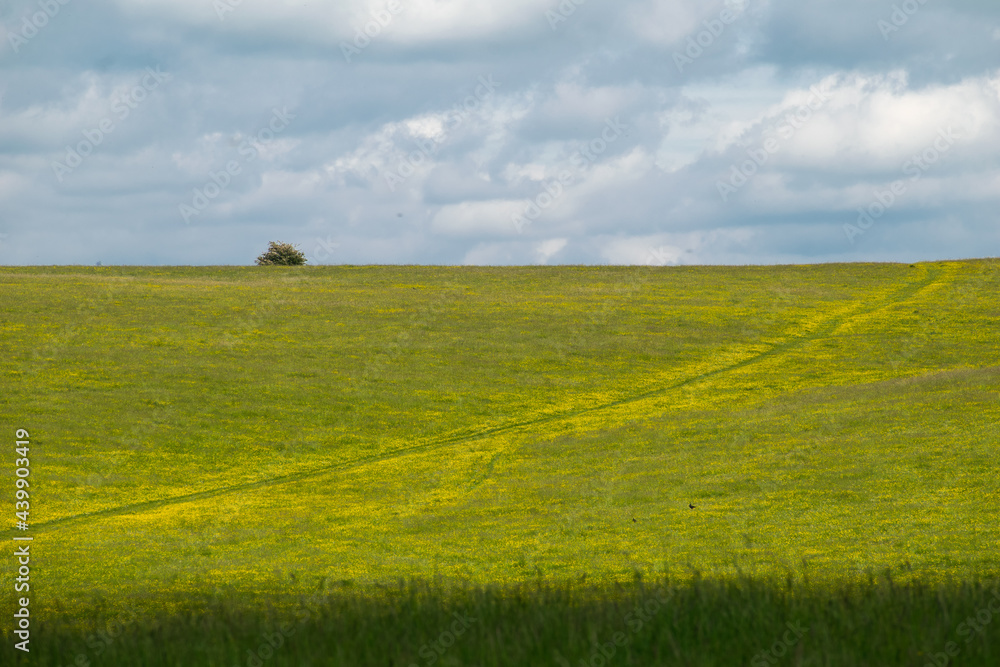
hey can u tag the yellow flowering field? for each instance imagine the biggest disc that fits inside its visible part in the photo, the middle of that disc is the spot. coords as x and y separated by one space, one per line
274 429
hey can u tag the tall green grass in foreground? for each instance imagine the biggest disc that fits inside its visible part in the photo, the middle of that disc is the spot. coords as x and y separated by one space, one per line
211 446
701 622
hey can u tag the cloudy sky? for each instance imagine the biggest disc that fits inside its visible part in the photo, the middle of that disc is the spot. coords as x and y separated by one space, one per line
499 132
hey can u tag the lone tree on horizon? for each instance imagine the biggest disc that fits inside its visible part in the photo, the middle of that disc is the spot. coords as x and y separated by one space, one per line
281 254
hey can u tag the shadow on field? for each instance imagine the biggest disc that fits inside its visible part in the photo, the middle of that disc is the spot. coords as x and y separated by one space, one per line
421 623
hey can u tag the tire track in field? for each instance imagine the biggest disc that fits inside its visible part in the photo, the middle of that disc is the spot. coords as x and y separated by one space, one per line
902 294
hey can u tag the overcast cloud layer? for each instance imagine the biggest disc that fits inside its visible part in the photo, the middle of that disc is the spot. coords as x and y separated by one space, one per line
499 132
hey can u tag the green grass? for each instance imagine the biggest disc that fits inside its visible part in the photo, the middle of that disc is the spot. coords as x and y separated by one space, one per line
218 443
702 622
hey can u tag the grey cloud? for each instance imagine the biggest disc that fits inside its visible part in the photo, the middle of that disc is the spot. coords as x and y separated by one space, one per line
321 181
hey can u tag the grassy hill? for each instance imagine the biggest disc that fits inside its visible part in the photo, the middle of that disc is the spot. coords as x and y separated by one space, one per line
513 440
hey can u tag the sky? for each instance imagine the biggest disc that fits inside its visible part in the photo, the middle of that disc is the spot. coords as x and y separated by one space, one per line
497 132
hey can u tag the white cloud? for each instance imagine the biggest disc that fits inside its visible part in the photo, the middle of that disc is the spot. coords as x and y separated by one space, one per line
12 183
860 122
465 20
83 103
653 188
667 22
477 218
576 101
547 249
416 21
675 249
